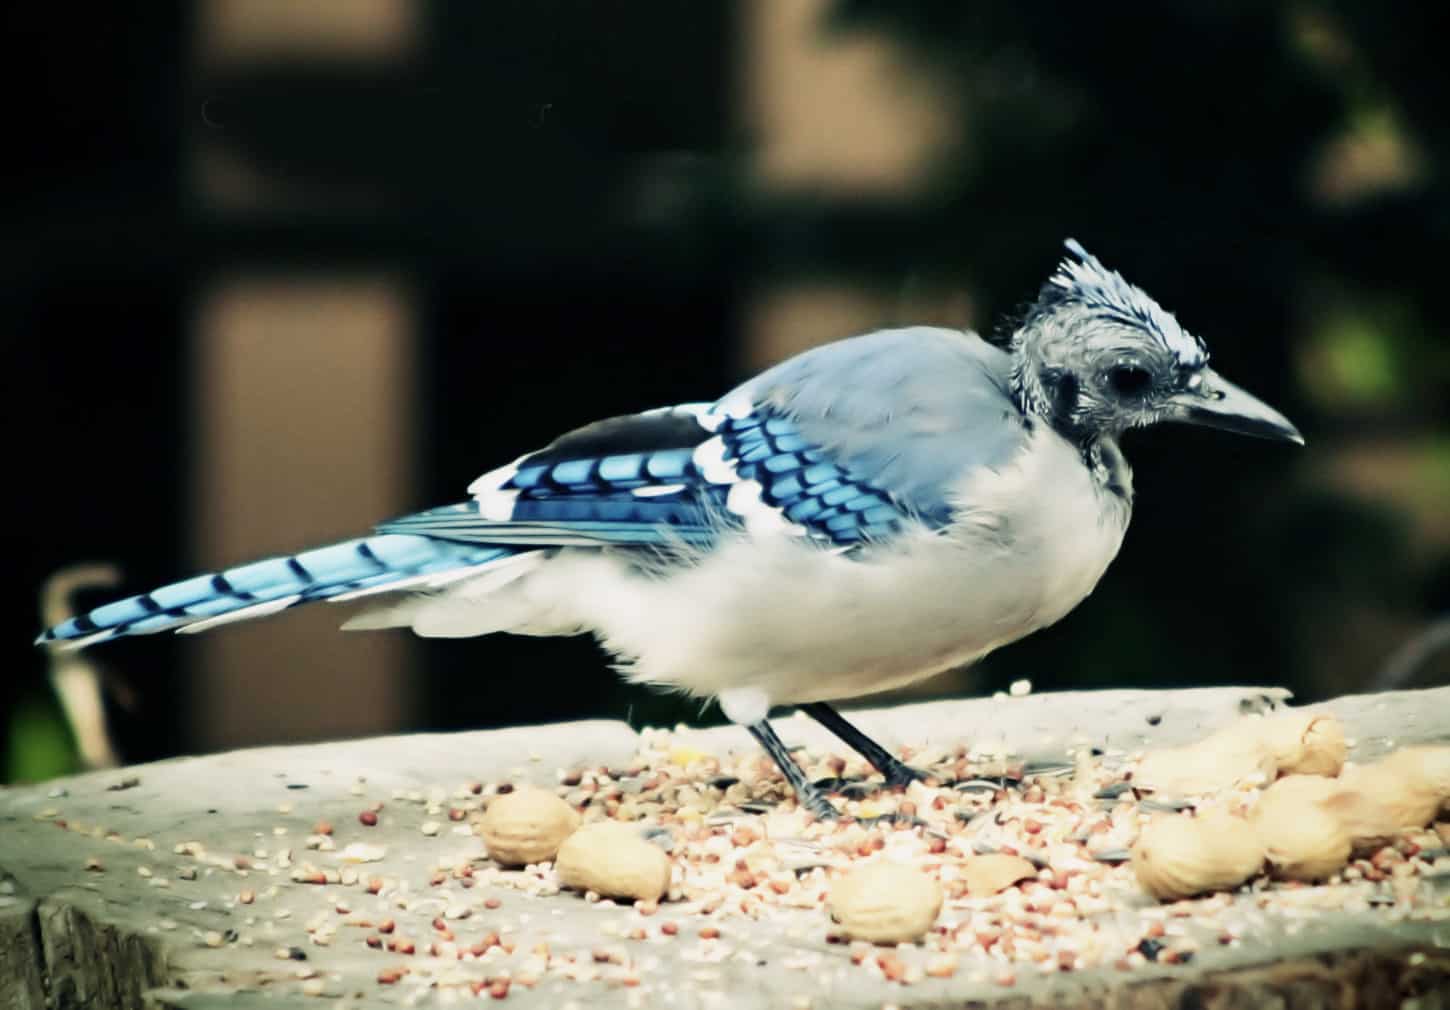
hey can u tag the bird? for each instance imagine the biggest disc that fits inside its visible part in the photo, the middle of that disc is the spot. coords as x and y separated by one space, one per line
860 516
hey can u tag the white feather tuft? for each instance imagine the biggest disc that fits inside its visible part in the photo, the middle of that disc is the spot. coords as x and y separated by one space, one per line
737 406
494 503
468 599
703 413
744 499
656 490
497 506
744 706
709 459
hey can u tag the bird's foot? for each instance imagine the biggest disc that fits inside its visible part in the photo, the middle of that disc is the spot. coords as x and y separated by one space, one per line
851 789
815 803
808 796
860 789
892 820
899 775
896 772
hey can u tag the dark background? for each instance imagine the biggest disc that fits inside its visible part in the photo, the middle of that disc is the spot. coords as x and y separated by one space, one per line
589 206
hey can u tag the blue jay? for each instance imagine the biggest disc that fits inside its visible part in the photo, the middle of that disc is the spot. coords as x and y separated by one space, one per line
859 517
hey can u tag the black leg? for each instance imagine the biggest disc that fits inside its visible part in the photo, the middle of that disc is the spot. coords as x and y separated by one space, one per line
897 774
808 795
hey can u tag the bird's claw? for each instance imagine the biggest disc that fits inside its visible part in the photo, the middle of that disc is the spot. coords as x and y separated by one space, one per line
852 789
894 820
898 777
820 807
901 776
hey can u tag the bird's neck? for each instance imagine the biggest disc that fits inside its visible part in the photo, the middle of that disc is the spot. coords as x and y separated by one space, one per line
1109 467
1051 395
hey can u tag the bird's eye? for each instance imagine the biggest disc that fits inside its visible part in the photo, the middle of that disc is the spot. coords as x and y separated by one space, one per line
1130 380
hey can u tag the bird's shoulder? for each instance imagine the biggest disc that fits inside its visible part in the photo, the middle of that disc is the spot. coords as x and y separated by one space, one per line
912 410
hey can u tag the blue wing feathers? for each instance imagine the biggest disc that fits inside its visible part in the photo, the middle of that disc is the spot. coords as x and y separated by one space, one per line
595 497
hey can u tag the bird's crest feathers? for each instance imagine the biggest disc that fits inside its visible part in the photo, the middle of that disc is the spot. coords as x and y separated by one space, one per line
1082 279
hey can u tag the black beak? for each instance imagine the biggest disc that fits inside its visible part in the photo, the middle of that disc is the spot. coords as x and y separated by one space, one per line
1217 403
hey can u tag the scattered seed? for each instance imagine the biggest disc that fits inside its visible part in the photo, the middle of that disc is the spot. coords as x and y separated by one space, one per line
942 966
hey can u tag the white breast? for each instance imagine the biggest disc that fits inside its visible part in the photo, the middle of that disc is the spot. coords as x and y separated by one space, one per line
798 622
803 623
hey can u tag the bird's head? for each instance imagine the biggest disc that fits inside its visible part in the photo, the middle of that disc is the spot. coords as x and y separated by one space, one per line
1096 356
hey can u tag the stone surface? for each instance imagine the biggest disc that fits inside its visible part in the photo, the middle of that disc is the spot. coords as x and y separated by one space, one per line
147 926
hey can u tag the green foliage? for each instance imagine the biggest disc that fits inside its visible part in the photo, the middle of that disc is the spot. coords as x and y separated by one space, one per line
39 744
1360 361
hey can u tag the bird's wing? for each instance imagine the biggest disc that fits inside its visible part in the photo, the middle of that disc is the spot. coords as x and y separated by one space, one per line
841 445
628 480
666 478
910 411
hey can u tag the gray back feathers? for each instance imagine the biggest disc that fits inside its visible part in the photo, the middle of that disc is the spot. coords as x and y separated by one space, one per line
910 410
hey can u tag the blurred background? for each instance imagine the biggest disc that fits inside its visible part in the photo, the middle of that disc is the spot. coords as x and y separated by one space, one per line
272 271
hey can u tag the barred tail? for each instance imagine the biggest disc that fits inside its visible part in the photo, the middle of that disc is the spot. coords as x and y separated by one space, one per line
352 568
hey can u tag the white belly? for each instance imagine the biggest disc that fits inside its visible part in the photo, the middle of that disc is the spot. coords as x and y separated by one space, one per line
801 623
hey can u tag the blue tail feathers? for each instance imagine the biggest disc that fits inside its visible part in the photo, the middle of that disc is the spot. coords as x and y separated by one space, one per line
274 584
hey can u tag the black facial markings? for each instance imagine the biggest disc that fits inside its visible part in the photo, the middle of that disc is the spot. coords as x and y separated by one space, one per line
1065 393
